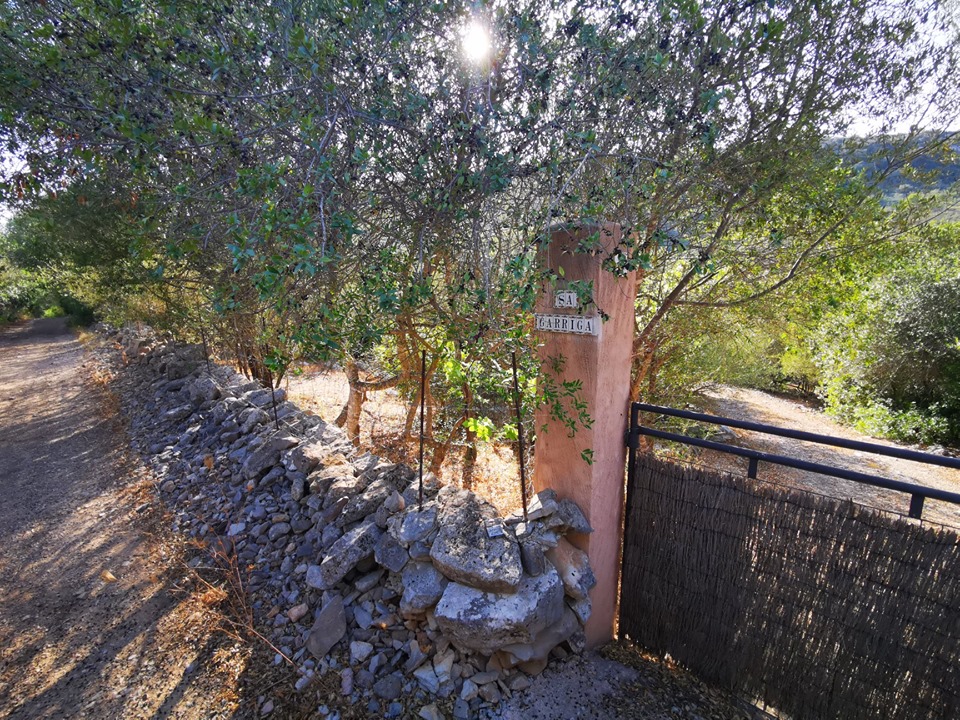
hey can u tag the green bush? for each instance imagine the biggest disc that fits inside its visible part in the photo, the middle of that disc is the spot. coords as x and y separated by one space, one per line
890 365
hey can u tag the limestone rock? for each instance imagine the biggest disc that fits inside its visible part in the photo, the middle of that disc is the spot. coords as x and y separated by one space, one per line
314 577
331 513
420 551
346 681
204 389
465 553
532 557
541 505
178 368
345 486
389 687
485 622
461 710
546 640
297 488
422 588
265 397
365 463
431 487
443 666
179 413
399 474
490 692
534 667
430 712
395 503
416 524
415 656
568 518
360 651
320 481
329 627
368 581
469 690
346 552
427 678
297 612
278 530
368 501
574 568
391 554
306 457
577 641
329 535
382 517
250 418
582 608
518 682
266 456
191 353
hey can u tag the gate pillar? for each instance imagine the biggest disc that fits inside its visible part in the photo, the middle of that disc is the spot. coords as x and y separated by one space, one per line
588 339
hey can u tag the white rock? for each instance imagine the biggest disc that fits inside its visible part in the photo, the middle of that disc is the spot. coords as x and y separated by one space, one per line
485 622
360 651
430 712
442 666
469 690
427 678
574 568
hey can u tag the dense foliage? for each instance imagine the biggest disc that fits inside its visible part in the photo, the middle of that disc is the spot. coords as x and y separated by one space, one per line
873 334
328 179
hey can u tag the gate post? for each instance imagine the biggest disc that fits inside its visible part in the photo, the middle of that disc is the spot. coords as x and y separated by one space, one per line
576 344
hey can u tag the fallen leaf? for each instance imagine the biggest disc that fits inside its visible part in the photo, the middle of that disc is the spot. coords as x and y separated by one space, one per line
107 576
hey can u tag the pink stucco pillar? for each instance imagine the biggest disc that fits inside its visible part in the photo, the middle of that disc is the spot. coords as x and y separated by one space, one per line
598 354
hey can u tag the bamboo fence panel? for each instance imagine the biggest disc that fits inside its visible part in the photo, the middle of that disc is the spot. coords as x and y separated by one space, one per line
820 608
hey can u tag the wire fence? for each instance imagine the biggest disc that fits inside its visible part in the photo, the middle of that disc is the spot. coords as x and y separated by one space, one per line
818 607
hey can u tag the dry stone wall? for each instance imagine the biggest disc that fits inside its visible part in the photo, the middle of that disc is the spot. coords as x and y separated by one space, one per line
353 575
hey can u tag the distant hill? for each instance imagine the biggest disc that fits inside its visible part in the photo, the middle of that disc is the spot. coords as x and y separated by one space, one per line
926 173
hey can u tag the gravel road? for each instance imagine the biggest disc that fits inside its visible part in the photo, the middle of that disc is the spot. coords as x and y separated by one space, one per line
91 624
758 406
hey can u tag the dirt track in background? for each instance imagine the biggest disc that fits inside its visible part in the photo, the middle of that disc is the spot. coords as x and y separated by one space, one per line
95 620
761 407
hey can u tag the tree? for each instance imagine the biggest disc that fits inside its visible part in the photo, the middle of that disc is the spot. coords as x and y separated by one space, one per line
289 159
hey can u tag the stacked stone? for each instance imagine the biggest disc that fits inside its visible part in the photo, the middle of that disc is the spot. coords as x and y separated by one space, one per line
353 574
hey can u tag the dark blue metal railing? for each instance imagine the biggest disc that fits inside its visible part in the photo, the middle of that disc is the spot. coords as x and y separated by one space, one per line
917 493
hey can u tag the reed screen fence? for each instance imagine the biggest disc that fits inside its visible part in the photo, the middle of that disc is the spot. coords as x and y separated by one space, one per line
820 608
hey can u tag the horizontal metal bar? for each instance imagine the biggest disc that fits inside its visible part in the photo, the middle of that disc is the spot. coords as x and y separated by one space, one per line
933 493
876 448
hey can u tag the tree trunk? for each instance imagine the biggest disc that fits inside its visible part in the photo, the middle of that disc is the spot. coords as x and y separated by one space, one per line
440 450
349 418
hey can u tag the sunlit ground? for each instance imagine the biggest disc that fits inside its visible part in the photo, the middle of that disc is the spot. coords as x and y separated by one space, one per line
495 477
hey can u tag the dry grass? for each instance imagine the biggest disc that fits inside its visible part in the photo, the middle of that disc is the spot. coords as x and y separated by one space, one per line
495 476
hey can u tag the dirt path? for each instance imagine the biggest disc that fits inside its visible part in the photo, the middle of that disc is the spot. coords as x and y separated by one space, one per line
91 623
762 407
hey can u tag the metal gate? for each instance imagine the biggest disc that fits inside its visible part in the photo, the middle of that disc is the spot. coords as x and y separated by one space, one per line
817 606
